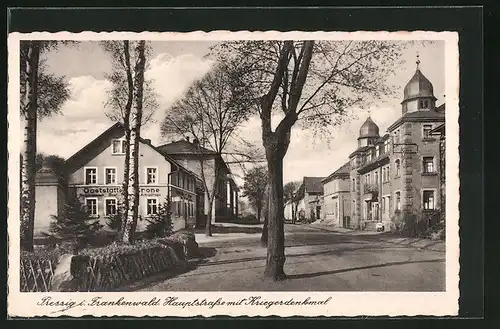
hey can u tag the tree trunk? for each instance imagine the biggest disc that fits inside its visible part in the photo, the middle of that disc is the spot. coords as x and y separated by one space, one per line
135 134
126 173
276 230
208 224
126 125
28 170
259 210
263 237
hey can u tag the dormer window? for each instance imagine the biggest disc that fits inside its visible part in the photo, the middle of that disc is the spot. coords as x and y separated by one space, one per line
118 146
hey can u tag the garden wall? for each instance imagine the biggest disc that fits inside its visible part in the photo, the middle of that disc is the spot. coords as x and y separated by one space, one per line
103 269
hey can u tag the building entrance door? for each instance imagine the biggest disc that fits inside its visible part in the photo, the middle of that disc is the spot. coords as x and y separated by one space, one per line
376 211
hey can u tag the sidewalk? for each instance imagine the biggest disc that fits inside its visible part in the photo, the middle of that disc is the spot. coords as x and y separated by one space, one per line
418 243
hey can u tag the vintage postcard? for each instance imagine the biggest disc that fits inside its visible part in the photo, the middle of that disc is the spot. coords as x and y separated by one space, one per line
233 173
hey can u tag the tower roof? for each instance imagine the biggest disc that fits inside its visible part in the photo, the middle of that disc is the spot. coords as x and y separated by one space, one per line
418 86
369 129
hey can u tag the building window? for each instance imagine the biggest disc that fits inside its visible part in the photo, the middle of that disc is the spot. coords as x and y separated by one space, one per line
428 199
110 176
91 205
151 175
428 165
152 206
377 150
90 176
397 198
386 146
385 174
354 184
110 207
426 131
397 165
118 146
376 178
353 207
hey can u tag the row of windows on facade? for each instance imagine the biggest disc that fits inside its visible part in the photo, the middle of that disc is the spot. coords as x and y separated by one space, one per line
426 133
179 208
427 168
428 202
151 177
385 148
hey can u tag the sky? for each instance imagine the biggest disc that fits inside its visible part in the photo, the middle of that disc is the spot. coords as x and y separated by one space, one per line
173 67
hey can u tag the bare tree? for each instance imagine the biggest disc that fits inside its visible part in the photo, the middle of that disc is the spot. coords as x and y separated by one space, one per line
126 61
41 95
313 83
211 111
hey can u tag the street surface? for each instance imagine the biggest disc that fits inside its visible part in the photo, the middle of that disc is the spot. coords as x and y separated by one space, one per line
316 260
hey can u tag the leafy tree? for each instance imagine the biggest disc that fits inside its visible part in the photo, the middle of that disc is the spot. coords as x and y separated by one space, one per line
54 162
255 187
211 111
290 196
41 95
306 82
74 224
160 224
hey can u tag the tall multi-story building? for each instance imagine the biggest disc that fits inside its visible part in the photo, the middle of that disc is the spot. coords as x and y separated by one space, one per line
399 171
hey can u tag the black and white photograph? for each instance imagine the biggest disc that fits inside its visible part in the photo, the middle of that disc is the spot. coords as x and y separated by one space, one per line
230 173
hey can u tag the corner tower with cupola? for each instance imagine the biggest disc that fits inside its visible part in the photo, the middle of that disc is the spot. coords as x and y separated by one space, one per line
418 93
415 152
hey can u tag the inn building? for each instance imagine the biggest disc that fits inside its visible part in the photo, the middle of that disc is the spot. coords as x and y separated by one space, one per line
95 175
399 171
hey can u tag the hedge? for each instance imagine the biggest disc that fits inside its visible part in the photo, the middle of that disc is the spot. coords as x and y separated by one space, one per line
106 268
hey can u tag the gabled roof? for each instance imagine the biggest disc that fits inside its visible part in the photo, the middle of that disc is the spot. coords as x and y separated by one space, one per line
183 147
344 170
313 184
108 133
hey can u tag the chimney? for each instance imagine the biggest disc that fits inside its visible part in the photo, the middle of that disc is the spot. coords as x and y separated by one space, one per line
187 139
147 141
196 142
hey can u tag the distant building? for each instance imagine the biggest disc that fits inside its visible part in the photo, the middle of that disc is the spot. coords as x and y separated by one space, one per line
94 174
401 171
195 158
309 199
337 197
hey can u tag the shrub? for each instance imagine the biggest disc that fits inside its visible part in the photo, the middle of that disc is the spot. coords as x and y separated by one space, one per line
114 222
74 225
187 240
416 223
103 269
160 224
